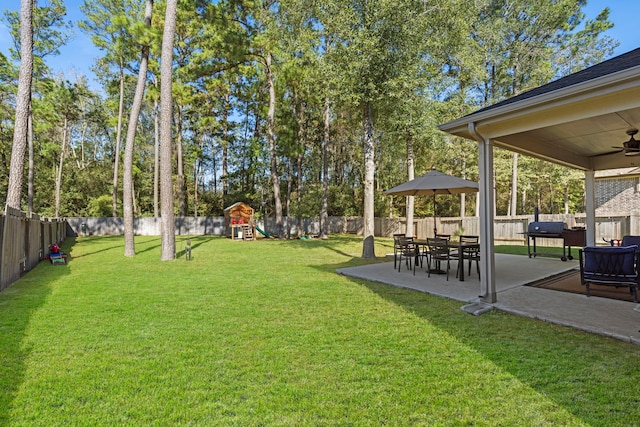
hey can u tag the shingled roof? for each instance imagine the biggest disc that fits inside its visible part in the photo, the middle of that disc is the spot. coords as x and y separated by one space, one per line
619 63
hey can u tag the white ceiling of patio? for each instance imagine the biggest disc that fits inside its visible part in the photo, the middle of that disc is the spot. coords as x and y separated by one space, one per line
576 125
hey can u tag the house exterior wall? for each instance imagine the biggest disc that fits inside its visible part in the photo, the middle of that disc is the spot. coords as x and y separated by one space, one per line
617 196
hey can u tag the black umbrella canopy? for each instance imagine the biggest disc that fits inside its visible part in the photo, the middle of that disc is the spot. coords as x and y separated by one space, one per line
433 183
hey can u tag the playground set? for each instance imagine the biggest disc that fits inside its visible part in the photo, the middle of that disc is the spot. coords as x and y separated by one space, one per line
240 222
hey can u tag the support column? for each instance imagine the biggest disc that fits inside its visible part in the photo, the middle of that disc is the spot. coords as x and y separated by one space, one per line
488 292
590 206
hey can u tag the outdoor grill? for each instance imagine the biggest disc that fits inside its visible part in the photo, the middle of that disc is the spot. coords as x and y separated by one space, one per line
554 230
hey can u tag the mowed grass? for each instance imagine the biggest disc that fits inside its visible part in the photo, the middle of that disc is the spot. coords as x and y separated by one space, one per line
265 333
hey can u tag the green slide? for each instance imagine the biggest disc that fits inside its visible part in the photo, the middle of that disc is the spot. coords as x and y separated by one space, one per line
261 231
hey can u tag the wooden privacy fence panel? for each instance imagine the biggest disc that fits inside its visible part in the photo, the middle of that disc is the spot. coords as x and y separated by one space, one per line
34 241
511 229
45 235
612 228
24 241
13 247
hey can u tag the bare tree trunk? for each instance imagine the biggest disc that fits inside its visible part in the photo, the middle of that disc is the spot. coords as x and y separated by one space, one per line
74 154
368 246
116 154
83 137
299 190
338 155
134 201
301 118
197 169
31 177
271 136
225 145
156 160
182 196
136 106
23 102
495 193
410 175
513 210
287 202
168 238
196 178
59 171
324 209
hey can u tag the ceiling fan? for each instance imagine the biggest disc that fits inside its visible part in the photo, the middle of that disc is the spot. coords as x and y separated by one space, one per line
632 146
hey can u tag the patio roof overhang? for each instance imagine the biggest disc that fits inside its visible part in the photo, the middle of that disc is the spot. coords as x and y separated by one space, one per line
576 126
574 121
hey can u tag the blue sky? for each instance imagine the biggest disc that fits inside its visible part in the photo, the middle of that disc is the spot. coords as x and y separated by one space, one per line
78 56
624 14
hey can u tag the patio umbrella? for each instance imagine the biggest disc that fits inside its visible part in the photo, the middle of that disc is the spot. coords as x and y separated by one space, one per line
431 184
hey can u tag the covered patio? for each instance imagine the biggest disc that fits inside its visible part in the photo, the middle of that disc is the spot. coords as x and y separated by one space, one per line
583 121
574 121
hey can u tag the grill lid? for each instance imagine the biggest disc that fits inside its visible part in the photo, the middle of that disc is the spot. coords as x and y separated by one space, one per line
541 227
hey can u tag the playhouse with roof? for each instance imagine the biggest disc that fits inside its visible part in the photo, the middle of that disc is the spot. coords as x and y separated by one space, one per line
240 222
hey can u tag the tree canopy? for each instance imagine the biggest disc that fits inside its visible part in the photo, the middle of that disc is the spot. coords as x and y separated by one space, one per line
295 107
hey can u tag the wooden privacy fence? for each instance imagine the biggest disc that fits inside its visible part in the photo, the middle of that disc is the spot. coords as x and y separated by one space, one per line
25 240
507 229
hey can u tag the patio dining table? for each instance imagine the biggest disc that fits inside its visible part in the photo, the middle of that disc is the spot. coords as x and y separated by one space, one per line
456 246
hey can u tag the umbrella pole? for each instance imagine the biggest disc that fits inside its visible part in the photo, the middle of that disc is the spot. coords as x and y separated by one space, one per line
437 270
435 228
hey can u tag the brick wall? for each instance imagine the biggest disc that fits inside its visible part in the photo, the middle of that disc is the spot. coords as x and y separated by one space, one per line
617 196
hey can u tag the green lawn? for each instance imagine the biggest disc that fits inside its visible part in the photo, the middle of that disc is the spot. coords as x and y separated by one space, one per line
265 333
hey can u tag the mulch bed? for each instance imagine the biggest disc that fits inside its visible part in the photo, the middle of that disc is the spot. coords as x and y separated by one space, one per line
569 281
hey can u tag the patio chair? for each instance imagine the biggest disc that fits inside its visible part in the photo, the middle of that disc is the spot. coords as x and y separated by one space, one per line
446 237
396 248
471 253
612 266
438 253
630 240
408 250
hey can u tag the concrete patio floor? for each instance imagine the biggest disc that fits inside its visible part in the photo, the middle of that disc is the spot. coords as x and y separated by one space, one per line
603 316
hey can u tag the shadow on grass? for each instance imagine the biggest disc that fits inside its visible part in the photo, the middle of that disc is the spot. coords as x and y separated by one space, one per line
148 244
558 362
587 375
196 241
18 303
334 241
95 241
